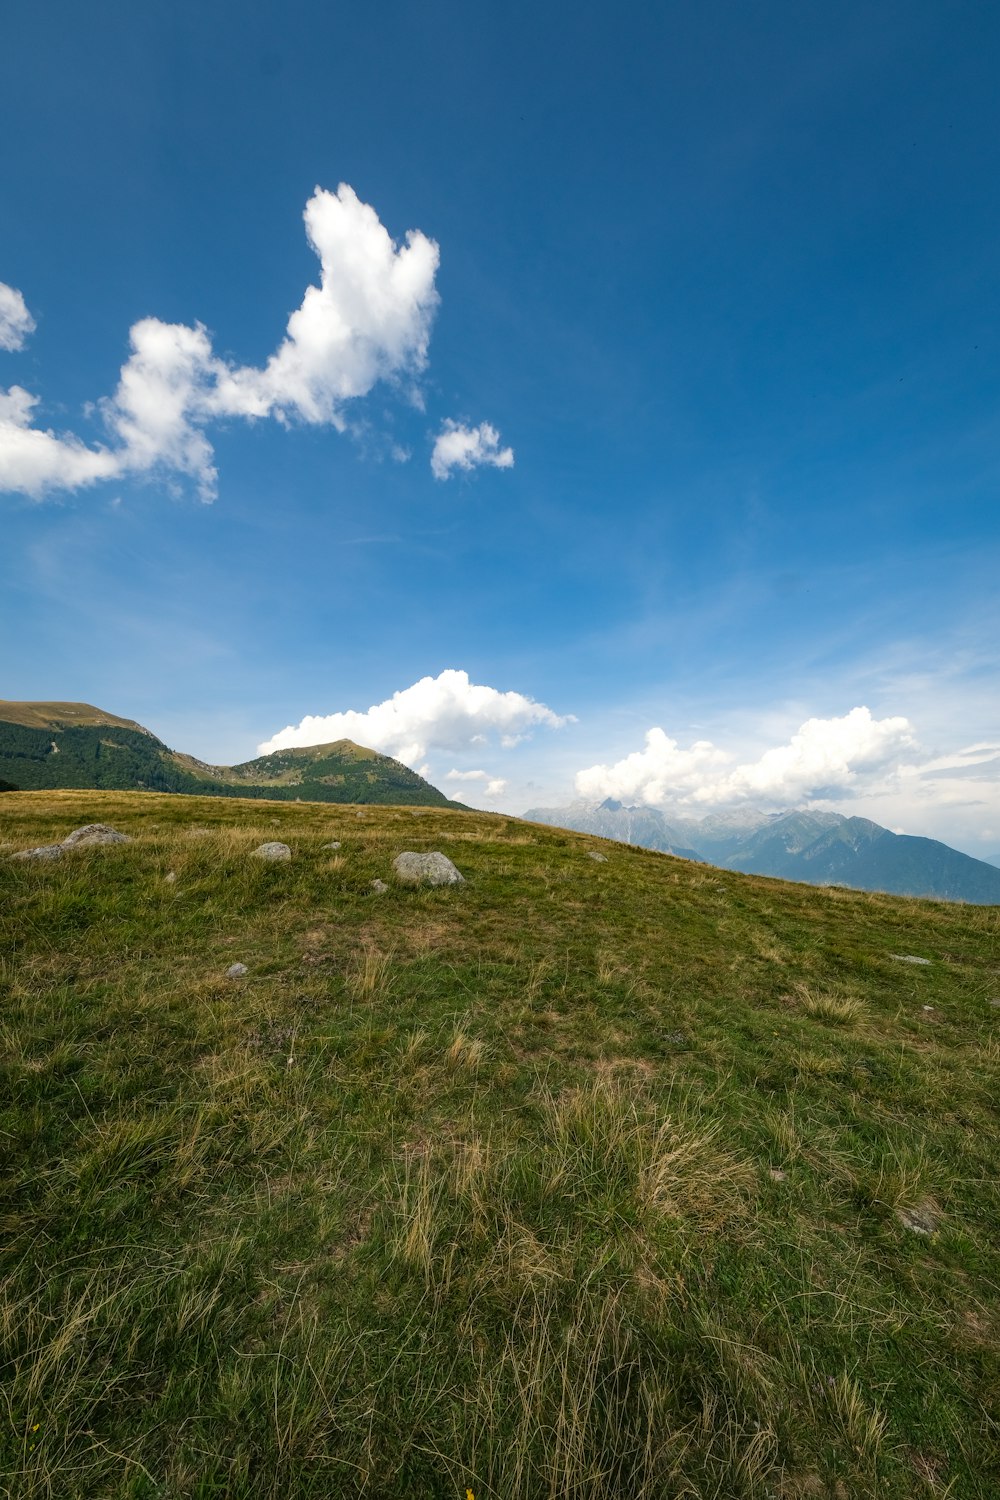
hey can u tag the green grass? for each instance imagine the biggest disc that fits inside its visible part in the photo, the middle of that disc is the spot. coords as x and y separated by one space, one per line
580 1180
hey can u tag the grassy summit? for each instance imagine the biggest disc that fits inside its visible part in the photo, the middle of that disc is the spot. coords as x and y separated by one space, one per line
585 1179
62 716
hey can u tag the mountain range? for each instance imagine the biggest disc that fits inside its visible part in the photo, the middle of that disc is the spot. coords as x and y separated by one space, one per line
63 745
818 848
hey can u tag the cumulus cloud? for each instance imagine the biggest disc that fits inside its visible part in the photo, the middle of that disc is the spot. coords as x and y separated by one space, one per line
826 759
458 447
495 786
16 322
368 320
31 456
447 712
659 773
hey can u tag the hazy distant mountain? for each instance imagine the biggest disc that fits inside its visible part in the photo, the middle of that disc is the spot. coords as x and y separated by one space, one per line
58 745
819 848
610 820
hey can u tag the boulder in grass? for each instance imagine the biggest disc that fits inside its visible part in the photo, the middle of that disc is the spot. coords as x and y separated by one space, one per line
922 1218
94 833
273 852
426 869
237 971
80 838
44 851
379 887
601 859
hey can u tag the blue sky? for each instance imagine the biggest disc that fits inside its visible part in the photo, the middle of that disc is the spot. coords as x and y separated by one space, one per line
711 292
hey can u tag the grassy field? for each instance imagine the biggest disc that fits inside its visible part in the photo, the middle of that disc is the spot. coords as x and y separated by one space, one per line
584 1179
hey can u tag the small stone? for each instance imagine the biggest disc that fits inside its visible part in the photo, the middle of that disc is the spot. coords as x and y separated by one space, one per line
426 869
94 833
333 844
170 877
44 851
777 1174
273 852
922 1219
908 958
379 887
360 813
601 859
995 1004
236 971
928 1007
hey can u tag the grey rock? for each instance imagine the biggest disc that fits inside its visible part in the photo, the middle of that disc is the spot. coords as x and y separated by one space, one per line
908 958
601 859
777 1174
94 833
379 887
922 1219
236 971
273 852
44 851
426 869
995 1004
333 844
170 877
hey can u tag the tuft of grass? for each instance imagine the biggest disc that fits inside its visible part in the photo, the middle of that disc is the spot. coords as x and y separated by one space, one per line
839 1010
370 977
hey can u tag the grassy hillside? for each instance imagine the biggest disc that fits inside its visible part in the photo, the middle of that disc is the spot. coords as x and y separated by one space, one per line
57 746
587 1179
62 716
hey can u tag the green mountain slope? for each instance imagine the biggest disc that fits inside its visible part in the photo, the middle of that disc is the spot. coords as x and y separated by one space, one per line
871 858
628 1179
66 745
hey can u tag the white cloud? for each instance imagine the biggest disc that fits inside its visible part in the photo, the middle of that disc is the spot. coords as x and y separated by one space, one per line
447 712
827 759
458 447
16 322
495 786
368 320
31 456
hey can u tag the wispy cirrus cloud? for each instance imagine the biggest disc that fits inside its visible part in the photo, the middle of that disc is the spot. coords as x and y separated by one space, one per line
368 320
